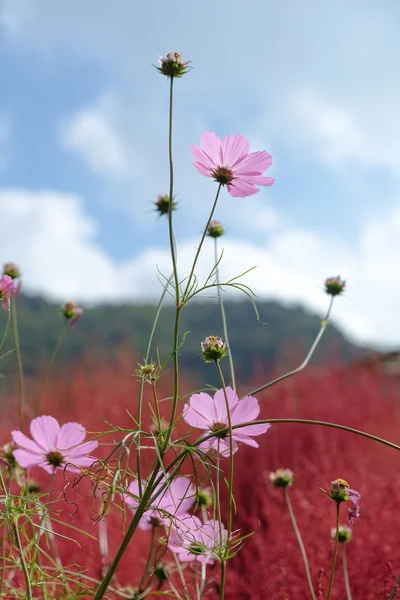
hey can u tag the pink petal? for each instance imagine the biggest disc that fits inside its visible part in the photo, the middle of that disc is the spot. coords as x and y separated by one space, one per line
78 461
241 189
224 446
200 411
27 444
181 495
245 439
257 429
220 412
202 158
257 179
245 410
70 435
234 149
211 146
201 168
44 431
82 450
26 458
255 161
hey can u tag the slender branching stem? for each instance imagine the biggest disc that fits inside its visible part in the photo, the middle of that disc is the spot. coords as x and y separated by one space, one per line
307 359
223 316
299 540
150 557
7 327
28 595
141 387
334 552
20 369
196 257
346 572
60 338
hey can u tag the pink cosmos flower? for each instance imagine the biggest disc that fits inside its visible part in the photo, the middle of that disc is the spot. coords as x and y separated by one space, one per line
176 500
53 447
204 412
7 290
229 162
354 511
72 312
193 540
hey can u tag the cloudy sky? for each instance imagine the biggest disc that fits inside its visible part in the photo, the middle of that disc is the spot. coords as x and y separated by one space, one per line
83 147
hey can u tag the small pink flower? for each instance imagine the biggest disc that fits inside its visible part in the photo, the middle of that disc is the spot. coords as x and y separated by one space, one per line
53 447
193 540
229 162
176 500
204 412
7 290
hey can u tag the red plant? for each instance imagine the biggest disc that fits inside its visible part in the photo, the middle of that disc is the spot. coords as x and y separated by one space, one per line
269 564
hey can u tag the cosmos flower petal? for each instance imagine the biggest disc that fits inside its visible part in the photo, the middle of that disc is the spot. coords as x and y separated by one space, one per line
24 442
211 146
247 409
245 439
241 189
27 458
199 412
257 429
234 149
255 161
83 449
44 431
70 435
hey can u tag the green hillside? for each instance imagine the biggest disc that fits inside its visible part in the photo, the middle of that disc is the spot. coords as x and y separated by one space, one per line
102 330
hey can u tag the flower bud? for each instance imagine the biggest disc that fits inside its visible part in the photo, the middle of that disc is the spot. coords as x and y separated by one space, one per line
213 348
71 312
161 573
11 270
339 490
215 229
172 65
146 369
162 204
344 534
204 498
334 285
282 478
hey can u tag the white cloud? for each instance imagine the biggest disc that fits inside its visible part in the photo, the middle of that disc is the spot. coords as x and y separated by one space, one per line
91 134
61 259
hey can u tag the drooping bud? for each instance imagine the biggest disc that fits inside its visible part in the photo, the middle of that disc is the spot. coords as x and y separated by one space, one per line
11 270
162 204
172 65
213 348
215 229
334 285
340 492
344 534
71 312
282 478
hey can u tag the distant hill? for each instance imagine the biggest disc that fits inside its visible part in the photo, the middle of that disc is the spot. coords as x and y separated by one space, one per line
281 343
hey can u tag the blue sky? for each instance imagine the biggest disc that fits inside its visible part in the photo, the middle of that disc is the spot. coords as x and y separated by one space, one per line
83 147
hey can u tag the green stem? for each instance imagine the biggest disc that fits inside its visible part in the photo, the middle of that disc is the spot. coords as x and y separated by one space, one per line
345 572
24 567
299 541
150 557
21 386
307 359
141 388
223 578
3 339
59 340
196 257
223 316
230 480
334 552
